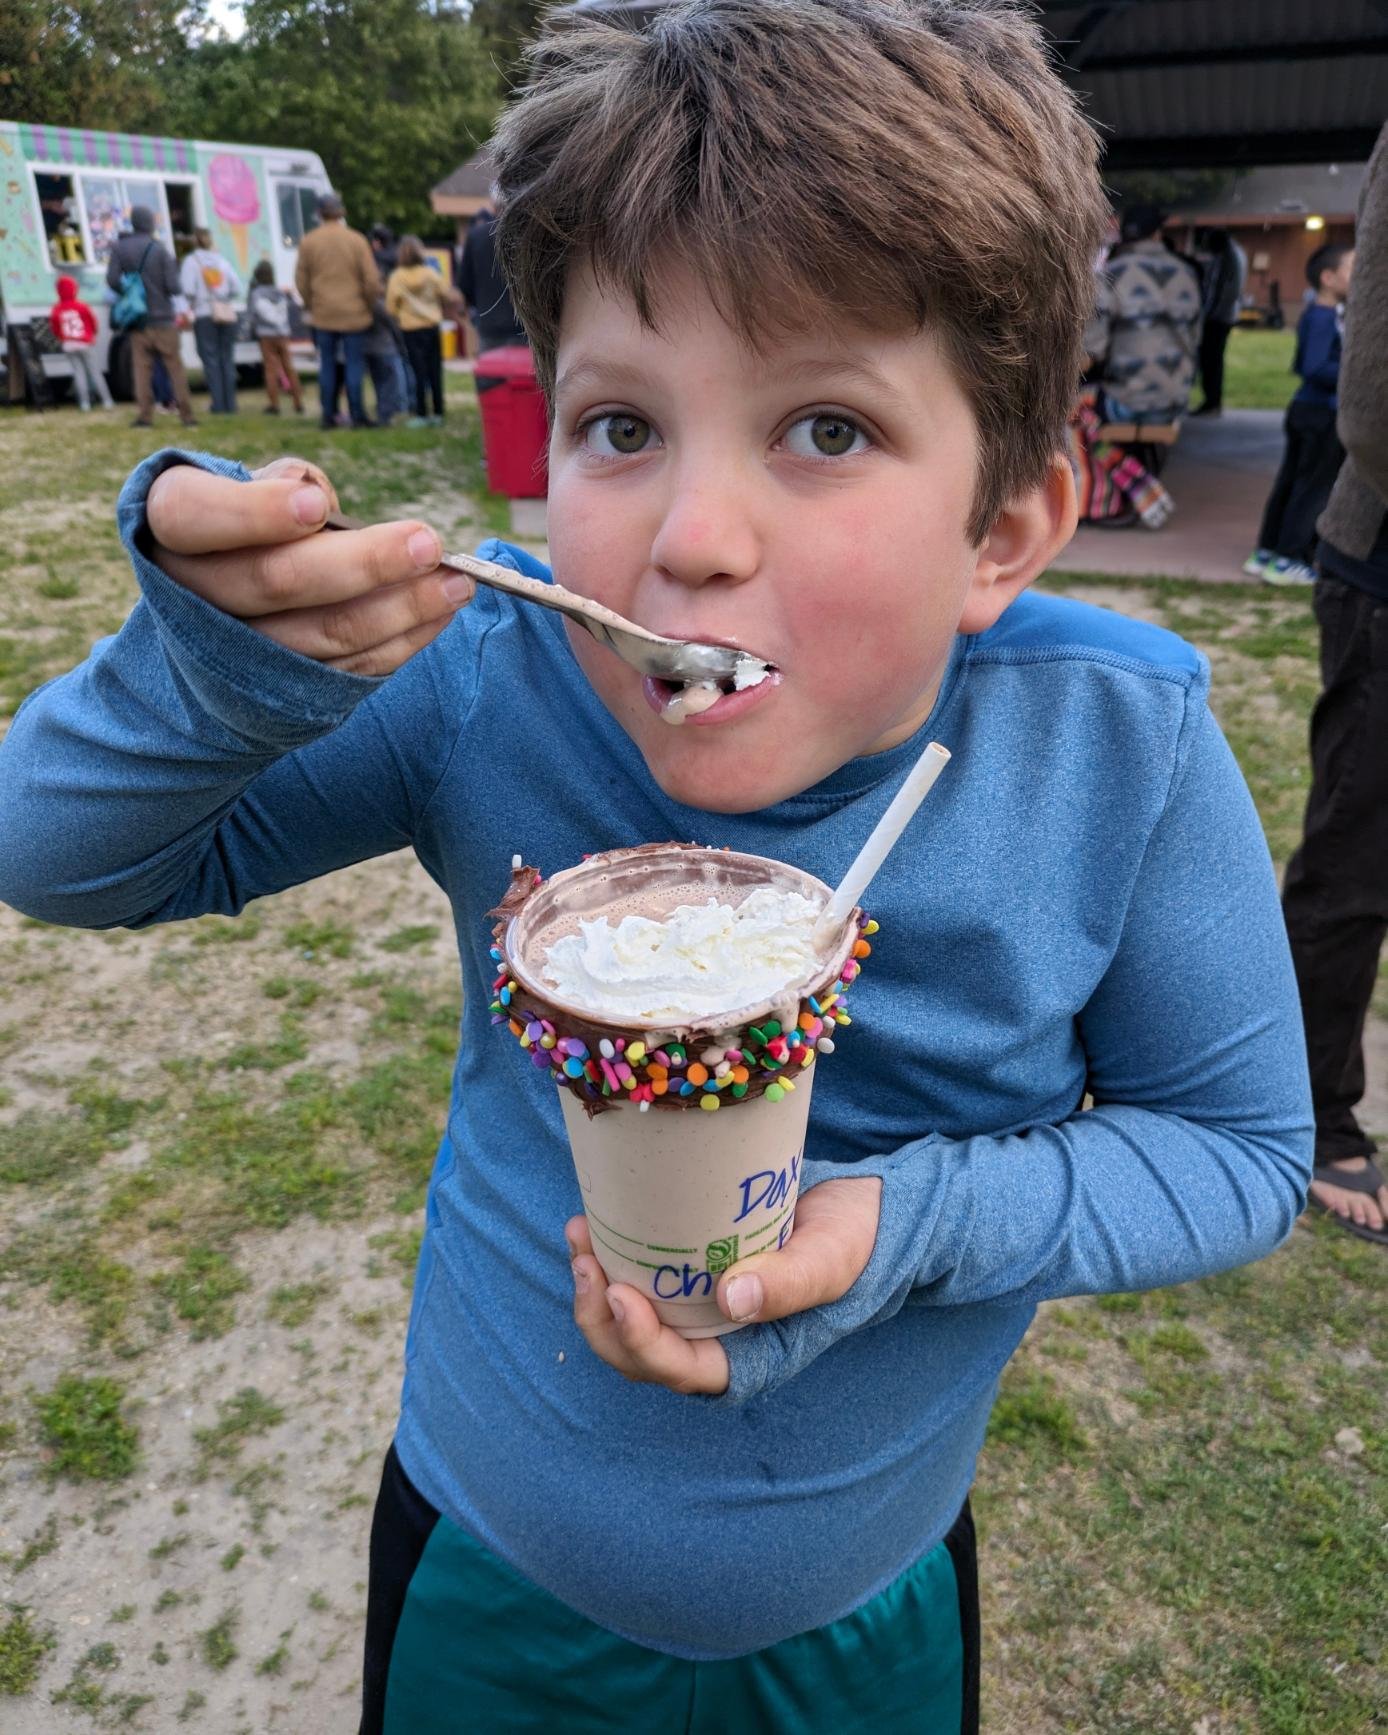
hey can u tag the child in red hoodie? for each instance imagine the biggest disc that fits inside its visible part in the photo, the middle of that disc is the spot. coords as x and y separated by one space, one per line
74 326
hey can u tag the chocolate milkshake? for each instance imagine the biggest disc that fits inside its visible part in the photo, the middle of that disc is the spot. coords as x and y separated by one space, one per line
679 1000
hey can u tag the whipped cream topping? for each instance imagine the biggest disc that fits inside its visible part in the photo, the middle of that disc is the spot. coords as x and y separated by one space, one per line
689 701
700 960
696 696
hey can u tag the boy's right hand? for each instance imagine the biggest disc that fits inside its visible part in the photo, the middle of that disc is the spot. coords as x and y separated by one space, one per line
360 600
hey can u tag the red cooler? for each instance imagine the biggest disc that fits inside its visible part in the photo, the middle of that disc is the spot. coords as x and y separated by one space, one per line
515 431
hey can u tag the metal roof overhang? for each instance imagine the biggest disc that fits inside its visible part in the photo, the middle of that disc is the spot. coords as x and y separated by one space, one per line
1213 83
1209 83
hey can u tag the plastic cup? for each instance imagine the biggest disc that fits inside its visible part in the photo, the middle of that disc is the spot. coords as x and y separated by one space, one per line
678 1190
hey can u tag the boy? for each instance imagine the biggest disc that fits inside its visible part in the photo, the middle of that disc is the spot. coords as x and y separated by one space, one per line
810 366
74 326
1313 455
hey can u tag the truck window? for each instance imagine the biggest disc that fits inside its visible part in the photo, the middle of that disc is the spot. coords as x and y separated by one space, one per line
108 199
179 197
62 228
298 211
105 214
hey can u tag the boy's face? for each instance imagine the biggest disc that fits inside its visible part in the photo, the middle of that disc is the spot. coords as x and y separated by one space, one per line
1337 281
806 503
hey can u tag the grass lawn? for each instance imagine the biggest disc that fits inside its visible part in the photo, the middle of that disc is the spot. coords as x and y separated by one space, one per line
214 1144
1257 369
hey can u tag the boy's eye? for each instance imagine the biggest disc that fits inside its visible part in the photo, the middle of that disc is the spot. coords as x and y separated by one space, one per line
825 436
618 434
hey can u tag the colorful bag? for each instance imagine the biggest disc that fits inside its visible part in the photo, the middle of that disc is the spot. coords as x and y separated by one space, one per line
214 280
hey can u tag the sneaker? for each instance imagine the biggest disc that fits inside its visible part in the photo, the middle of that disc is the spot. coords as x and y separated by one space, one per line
1209 410
140 422
417 422
1288 572
270 410
1256 561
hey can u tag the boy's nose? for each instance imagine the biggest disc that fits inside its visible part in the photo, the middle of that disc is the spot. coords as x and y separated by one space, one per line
706 534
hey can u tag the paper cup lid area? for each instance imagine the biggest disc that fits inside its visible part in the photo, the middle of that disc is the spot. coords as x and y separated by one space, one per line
706 1062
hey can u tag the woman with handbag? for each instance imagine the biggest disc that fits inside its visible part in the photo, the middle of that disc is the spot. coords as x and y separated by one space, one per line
415 301
211 285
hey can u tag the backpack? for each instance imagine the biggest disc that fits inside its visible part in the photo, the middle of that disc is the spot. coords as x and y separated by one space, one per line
130 309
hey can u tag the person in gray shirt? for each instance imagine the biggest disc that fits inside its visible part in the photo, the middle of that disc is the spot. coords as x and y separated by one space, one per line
158 336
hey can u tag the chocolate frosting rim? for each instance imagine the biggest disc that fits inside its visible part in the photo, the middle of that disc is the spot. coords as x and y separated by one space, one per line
777 1038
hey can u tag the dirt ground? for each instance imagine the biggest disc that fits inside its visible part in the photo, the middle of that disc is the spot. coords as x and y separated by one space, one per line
161 1541
214 1142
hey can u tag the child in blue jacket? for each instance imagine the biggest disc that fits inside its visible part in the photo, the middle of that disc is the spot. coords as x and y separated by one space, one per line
1313 454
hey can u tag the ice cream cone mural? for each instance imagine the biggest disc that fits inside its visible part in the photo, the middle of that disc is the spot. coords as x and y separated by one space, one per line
235 200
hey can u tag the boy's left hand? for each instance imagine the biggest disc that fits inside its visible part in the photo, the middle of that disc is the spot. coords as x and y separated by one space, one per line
835 1229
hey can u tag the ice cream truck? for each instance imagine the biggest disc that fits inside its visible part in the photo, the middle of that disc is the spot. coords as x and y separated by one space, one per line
66 194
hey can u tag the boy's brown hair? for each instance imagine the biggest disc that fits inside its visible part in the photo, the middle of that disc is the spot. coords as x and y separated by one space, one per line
906 163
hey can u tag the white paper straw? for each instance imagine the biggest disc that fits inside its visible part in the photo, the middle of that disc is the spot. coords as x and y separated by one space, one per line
914 789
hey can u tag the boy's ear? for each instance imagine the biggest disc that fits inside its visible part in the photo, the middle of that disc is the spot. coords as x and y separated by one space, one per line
1026 537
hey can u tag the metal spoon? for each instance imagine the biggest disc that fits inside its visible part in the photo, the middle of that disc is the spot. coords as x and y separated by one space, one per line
673 660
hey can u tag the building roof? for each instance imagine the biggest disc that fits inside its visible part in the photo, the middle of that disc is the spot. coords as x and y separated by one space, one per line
1207 82
1203 83
467 187
1282 194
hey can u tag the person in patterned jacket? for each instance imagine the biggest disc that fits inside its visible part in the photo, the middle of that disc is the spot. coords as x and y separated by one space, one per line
1144 335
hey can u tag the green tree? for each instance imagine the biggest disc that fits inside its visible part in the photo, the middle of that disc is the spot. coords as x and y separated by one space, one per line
506 27
1169 188
392 94
94 63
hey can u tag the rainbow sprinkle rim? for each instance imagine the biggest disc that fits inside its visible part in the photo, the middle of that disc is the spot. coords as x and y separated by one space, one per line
603 1070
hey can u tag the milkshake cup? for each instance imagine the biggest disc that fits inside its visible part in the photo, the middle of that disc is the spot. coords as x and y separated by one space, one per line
686 1110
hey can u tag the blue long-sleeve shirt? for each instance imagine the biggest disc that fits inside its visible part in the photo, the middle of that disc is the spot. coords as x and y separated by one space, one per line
1319 335
1085 904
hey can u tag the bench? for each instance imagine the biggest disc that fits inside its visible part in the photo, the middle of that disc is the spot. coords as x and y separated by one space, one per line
1146 433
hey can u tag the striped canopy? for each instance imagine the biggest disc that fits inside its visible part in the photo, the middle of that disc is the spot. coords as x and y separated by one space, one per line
106 150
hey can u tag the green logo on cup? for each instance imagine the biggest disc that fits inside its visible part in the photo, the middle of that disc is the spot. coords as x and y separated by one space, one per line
719 1255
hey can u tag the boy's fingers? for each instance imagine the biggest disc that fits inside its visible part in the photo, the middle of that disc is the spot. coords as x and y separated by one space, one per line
592 1315
655 1353
191 511
638 1345
343 630
297 470
252 581
387 658
835 1229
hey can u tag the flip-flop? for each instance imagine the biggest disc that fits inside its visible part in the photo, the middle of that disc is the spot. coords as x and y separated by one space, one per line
1366 1180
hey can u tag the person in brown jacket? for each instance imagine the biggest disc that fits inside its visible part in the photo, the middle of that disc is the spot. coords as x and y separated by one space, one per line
1335 896
339 285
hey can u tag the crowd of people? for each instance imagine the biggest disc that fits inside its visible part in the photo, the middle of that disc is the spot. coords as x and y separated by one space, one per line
376 306
1161 321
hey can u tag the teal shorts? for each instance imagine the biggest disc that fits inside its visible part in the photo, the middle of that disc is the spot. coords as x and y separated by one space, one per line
458 1642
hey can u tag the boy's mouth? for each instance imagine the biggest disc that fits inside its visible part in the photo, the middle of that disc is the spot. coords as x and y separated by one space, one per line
707 702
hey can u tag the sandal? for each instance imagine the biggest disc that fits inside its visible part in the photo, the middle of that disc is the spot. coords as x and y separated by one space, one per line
1366 1180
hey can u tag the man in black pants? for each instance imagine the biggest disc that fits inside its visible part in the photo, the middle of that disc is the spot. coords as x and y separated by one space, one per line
1335 897
1221 297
